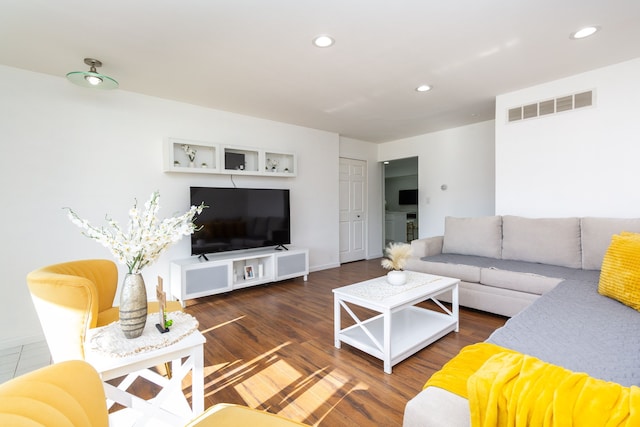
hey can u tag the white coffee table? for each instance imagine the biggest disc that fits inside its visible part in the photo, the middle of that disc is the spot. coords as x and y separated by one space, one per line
401 329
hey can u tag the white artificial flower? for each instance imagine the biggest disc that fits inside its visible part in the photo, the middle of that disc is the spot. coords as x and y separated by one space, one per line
146 238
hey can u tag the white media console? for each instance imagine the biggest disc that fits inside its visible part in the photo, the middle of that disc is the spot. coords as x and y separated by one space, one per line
196 277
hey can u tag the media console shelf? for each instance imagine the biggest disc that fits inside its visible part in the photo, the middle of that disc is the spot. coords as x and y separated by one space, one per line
223 272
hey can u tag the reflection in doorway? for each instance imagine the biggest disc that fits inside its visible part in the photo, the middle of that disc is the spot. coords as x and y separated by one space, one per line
400 200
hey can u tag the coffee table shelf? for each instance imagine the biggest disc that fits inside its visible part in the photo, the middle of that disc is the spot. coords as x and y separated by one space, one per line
402 328
412 329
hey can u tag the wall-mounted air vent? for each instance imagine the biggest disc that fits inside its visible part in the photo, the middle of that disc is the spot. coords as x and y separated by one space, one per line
551 106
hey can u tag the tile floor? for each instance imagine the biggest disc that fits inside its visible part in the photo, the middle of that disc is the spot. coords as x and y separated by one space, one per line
15 361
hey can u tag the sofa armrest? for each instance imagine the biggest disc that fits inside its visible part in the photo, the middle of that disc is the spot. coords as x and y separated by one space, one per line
427 247
435 407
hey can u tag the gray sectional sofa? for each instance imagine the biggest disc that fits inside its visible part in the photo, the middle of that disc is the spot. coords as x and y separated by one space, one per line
505 263
544 273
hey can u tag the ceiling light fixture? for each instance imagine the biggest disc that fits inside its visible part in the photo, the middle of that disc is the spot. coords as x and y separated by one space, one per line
92 78
323 40
424 88
584 32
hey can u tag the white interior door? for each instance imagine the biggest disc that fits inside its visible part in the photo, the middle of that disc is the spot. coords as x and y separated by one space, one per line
353 218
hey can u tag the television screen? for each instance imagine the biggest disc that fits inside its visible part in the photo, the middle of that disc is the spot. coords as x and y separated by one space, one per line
233 161
240 218
408 197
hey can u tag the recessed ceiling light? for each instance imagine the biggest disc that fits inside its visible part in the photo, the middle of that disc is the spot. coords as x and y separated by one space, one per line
323 40
424 88
585 32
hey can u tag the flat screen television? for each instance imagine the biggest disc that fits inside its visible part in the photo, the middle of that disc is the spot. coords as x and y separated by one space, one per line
408 197
240 218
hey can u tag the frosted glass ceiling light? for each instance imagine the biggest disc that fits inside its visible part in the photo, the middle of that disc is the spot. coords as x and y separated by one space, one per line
424 88
323 41
585 32
92 78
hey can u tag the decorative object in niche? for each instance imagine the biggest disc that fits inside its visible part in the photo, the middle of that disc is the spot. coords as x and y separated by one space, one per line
248 272
272 165
191 153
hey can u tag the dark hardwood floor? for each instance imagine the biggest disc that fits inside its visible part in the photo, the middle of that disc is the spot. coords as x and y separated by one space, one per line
271 347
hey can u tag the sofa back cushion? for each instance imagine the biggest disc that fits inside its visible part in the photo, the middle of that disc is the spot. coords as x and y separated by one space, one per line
480 236
596 237
554 241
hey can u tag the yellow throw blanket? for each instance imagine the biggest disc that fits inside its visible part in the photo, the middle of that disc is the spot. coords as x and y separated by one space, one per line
513 389
454 374
507 388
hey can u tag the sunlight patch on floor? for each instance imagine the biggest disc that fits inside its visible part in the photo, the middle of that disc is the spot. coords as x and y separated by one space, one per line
263 385
318 390
211 369
269 383
236 372
219 325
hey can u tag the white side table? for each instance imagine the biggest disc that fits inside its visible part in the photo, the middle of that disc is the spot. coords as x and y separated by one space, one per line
169 406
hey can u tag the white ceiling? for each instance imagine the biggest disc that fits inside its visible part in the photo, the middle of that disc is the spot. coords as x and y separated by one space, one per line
255 57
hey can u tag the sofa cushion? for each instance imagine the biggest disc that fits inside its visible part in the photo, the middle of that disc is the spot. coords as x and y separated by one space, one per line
596 237
531 283
554 241
505 302
620 275
575 327
467 273
480 236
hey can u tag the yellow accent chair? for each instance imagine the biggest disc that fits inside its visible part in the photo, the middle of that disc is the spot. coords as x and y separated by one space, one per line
73 297
71 394
65 394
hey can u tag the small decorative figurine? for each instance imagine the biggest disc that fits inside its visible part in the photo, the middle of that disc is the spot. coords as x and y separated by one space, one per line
163 324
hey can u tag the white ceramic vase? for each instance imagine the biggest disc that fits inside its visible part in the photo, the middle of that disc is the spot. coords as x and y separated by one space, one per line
397 277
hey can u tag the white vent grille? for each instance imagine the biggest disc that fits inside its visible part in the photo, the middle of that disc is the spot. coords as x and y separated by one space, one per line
551 106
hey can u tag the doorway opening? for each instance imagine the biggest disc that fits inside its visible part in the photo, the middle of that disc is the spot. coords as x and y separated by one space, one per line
400 203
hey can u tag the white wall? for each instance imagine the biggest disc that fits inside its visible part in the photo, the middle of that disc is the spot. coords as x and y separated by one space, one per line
96 152
366 151
576 163
462 159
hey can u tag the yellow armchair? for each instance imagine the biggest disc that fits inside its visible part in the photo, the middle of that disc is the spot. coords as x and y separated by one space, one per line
71 394
75 296
65 394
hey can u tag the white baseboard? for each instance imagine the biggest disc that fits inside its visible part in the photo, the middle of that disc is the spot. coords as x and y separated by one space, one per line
323 267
